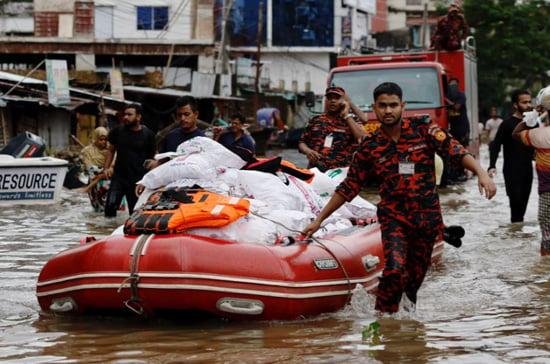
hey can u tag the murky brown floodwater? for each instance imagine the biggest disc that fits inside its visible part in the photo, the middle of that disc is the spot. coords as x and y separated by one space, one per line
487 302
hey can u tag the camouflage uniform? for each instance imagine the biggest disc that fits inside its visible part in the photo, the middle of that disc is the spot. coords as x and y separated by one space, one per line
339 152
409 210
449 32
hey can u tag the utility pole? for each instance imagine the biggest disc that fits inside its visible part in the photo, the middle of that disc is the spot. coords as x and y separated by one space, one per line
424 27
222 63
256 101
222 55
3 17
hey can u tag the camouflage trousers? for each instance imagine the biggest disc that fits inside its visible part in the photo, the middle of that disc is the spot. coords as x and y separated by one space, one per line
408 245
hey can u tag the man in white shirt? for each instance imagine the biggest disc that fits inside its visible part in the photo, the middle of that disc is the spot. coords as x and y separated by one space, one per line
492 124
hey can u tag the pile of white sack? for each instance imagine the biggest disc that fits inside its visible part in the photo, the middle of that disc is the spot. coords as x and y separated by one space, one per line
280 205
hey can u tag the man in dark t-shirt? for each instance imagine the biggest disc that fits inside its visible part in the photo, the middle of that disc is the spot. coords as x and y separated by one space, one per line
517 166
187 114
132 143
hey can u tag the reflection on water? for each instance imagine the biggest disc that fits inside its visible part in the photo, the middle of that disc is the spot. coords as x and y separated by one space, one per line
487 302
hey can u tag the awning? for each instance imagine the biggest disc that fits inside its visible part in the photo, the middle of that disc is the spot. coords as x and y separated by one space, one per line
177 93
44 101
78 96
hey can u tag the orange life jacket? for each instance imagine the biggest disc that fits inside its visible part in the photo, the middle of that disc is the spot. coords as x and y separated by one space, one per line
175 210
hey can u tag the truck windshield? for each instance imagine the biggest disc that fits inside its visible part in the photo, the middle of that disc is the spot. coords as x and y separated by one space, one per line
420 85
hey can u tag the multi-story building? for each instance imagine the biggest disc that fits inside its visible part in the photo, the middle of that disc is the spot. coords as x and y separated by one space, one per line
299 38
295 41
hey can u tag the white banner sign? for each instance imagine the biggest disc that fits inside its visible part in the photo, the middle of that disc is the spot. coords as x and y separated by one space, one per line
58 82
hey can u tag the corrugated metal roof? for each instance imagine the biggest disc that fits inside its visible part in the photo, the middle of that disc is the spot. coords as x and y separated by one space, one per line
43 101
177 93
18 79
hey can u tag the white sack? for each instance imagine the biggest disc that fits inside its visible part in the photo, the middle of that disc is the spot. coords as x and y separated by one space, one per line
270 189
247 229
310 199
322 184
288 222
361 208
263 229
337 174
217 154
193 166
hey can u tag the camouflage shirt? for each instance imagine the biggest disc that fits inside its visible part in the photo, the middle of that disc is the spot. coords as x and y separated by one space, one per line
333 140
404 170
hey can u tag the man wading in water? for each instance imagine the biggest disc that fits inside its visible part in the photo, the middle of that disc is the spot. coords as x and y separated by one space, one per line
400 156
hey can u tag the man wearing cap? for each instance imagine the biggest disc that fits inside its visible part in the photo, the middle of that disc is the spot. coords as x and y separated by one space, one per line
450 30
331 137
539 137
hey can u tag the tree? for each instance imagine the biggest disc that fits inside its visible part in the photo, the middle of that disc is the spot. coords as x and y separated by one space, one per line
513 44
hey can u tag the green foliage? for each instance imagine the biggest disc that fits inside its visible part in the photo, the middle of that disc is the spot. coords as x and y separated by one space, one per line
513 42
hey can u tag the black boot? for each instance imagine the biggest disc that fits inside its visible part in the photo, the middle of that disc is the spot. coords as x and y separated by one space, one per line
453 234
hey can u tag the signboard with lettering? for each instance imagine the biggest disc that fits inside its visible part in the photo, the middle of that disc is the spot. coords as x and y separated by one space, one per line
58 82
31 184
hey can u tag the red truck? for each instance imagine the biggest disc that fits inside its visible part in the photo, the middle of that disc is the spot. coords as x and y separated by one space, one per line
423 77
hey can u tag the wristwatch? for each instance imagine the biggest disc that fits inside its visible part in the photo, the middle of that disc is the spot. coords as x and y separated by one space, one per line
350 115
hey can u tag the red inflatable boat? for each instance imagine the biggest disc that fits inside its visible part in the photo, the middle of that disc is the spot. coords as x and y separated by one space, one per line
149 273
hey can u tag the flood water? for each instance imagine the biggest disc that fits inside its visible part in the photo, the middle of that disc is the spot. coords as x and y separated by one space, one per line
486 302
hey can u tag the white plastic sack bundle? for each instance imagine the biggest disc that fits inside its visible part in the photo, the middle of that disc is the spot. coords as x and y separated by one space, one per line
288 222
337 174
310 199
263 228
192 166
331 225
247 229
270 189
361 208
217 154
230 178
322 184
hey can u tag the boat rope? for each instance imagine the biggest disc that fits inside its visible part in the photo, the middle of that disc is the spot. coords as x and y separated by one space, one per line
134 303
348 280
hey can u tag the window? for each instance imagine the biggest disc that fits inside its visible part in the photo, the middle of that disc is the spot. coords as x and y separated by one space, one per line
420 85
152 17
242 24
303 23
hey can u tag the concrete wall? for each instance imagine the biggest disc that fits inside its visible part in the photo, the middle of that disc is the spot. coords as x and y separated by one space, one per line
54 6
307 71
181 20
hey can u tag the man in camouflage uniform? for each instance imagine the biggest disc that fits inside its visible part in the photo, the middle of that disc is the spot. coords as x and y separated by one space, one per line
450 30
331 138
400 156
